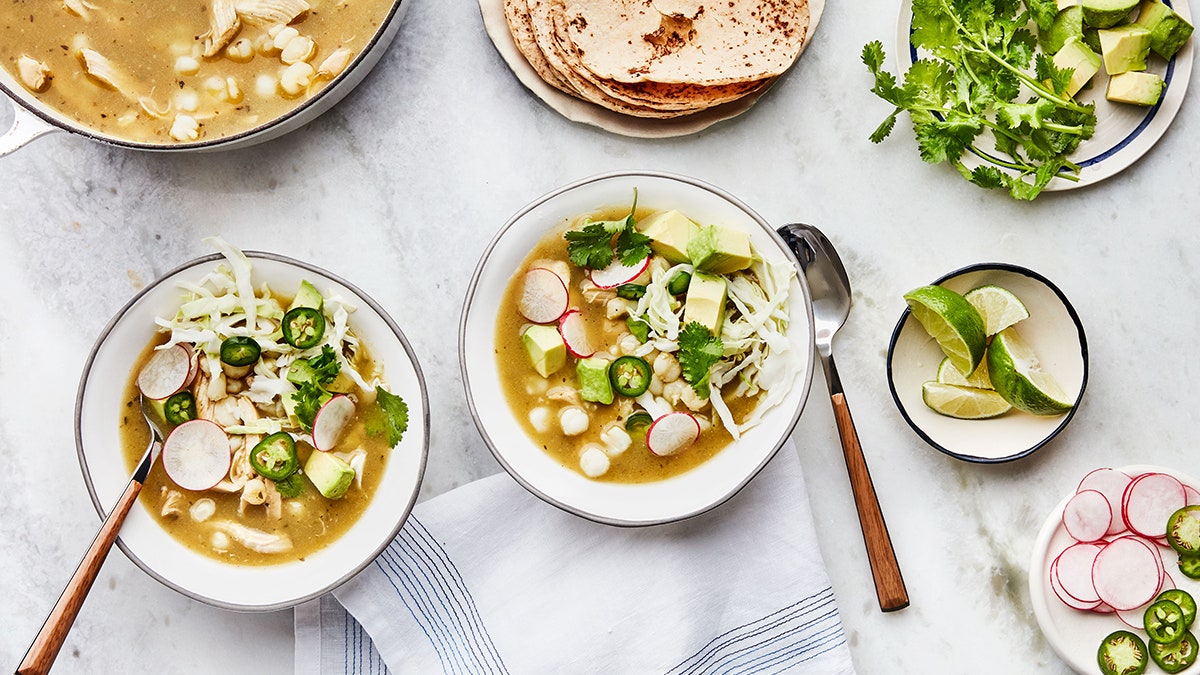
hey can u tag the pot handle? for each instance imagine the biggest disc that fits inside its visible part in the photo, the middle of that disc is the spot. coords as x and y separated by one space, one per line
25 128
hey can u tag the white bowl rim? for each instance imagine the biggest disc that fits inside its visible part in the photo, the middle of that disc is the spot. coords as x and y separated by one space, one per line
1083 351
275 257
804 387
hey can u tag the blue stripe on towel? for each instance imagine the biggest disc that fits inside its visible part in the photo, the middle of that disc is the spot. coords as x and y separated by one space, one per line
433 591
772 644
361 656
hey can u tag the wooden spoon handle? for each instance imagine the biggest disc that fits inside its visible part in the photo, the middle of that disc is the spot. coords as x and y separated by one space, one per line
50 638
889 584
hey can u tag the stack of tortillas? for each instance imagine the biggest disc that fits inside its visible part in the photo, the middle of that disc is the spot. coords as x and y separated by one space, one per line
659 58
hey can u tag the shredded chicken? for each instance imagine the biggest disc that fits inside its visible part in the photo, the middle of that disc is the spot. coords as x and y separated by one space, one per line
173 503
254 539
270 12
224 24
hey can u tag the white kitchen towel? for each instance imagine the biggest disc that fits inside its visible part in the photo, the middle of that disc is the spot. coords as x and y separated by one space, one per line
489 579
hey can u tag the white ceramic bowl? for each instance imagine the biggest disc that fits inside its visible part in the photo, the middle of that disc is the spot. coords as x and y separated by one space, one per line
1053 331
100 405
688 494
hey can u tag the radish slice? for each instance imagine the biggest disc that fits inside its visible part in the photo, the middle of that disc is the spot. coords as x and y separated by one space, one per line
1067 598
330 421
1126 574
1193 495
544 296
196 455
1111 483
1074 572
671 433
616 273
1087 516
166 373
1150 500
574 334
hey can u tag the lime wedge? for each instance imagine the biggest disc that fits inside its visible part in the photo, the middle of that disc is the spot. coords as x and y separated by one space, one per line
1017 375
953 322
948 374
968 403
998 307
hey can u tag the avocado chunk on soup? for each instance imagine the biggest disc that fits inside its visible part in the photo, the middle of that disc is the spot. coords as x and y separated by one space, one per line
665 364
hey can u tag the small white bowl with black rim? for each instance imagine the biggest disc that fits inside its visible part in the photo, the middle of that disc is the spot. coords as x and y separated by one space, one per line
1054 332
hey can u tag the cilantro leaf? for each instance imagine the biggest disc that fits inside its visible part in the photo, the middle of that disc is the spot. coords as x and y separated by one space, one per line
291 486
389 415
632 247
325 365
590 247
699 350
970 77
309 398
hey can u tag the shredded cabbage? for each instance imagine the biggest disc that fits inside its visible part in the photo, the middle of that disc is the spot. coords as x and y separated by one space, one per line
757 351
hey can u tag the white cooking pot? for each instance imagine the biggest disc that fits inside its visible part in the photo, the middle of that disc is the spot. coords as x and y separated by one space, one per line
33 119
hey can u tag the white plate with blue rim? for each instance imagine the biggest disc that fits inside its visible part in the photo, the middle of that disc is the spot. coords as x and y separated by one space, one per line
1123 132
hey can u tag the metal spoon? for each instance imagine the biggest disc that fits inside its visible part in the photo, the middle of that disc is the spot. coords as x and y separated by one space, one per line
830 287
54 631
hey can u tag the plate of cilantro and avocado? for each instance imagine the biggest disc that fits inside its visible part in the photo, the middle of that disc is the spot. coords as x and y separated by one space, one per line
636 347
1029 96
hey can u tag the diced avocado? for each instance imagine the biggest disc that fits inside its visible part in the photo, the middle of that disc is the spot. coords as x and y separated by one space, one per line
1067 24
720 250
1064 4
638 328
1083 61
301 371
593 380
706 301
1106 13
1125 48
1168 30
669 232
546 349
1138 88
1091 38
330 474
307 296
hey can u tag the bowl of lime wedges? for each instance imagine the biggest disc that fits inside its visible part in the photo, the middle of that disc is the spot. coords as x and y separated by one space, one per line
988 363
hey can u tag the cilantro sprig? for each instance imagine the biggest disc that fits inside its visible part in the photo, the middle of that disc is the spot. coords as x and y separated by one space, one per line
592 246
978 80
389 416
699 351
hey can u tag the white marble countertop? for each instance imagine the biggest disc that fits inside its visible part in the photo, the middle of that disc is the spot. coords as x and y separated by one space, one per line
401 186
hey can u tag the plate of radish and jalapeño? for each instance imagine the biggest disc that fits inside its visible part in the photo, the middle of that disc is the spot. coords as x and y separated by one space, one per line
1115 572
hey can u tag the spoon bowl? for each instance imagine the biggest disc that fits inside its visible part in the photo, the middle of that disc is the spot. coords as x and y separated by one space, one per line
830 288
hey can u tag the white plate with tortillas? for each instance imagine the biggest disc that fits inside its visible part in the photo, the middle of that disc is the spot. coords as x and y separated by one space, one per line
650 69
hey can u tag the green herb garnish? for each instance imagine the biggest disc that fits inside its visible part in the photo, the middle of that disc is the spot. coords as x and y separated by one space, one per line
309 398
291 486
978 81
592 246
325 365
699 350
389 415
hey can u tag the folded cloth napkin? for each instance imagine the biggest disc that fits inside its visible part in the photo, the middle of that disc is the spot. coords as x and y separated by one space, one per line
489 579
